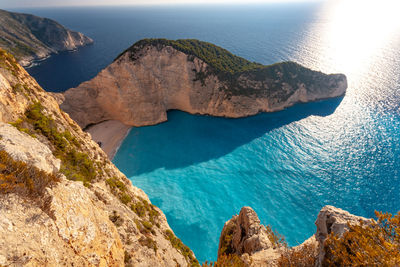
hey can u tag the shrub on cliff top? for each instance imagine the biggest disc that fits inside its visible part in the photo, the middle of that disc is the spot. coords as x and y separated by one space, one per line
375 244
304 256
231 260
217 57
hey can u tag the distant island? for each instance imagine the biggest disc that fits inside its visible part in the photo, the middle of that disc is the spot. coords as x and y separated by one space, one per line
30 38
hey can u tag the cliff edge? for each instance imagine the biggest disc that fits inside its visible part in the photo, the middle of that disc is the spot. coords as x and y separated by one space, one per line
62 202
157 75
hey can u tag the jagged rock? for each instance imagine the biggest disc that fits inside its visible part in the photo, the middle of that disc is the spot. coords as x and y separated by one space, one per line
150 78
65 228
245 236
22 147
333 220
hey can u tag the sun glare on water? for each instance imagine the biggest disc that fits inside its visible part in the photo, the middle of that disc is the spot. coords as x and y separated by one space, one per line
354 33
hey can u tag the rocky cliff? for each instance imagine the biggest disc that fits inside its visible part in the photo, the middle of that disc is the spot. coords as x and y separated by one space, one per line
157 75
31 38
62 202
258 245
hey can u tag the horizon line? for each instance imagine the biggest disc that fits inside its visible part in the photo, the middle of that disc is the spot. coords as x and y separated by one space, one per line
177 3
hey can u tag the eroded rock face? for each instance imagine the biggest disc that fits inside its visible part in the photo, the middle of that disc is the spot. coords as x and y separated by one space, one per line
72 224
140 86
20 146
71 230
245 236
333 220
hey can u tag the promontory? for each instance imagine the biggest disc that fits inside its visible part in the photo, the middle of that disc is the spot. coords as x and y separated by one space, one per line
30 38
157 75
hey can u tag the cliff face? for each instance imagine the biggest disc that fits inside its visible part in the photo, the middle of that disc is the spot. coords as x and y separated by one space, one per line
61 200
257 245
30 38
150 78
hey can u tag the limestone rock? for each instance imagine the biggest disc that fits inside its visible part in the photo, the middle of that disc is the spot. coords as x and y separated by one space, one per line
73 224
141 85
23 147
245 236
333 220
67 228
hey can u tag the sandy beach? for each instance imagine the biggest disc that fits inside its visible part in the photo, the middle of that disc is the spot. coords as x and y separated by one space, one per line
110 134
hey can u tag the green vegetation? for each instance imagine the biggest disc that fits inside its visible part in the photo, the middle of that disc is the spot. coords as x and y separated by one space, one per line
143 208
8 62
226 248
229 68
19 177
116 219
218 58
182 248
75 165
148 242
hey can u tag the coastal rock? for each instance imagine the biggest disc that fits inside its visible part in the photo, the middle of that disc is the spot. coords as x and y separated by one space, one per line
22 147
154 76
31 38
244 236
105 221
333 220
65 228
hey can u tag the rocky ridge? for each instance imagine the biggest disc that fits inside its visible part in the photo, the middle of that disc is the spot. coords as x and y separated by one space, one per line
90 215
30 38
157 75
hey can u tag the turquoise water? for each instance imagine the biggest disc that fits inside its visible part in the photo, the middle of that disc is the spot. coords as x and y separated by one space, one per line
287 165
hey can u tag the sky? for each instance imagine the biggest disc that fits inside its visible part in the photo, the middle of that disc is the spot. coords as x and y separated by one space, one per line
52 3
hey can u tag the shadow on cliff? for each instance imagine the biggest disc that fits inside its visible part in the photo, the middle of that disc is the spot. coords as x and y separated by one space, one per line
187 140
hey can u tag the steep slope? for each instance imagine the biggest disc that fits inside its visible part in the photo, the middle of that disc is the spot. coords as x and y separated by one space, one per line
157 75
30 38
61 200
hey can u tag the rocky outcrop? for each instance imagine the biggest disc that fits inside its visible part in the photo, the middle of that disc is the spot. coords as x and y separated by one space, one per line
31 38
333 220
244 236
105 221
22 147
152 77
257 245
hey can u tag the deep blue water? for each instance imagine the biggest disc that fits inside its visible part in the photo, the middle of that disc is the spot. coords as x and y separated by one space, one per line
287 165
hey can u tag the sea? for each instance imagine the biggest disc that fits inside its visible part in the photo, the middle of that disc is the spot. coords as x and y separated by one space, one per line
286 165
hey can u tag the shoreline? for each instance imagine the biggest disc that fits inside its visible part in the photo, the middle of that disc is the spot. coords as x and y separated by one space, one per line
110 134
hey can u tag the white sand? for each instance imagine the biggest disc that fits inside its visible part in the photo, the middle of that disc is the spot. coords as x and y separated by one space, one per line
111 134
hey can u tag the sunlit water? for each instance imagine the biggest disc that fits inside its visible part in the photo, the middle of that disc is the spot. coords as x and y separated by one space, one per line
287 165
